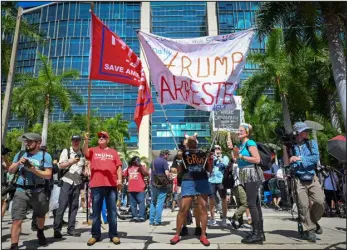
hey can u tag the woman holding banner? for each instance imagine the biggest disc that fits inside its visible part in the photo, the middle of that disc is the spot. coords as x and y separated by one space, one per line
194 183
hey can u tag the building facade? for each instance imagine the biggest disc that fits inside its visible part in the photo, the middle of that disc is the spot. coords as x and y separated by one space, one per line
67 26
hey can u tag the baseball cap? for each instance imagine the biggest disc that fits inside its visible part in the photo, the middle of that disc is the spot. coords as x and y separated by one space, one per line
103 133
300 127
165 152
76 138
217 147
31 136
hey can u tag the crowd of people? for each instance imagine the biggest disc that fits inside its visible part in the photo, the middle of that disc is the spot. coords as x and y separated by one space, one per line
197 183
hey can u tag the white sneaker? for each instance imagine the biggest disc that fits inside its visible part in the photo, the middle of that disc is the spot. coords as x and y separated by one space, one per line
225 223
212 222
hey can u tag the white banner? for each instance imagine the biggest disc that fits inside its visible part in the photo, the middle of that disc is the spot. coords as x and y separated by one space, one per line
202 72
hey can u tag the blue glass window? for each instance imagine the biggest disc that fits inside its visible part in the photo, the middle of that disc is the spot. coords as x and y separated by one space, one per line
84 10
66 10
70 28
74 46
62 29
52 9
72 11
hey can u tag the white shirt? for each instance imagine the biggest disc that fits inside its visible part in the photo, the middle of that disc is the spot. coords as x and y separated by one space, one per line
78 167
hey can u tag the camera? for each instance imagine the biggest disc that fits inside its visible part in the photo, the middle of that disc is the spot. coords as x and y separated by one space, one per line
4 150
322 170
8 189
27 164
78 156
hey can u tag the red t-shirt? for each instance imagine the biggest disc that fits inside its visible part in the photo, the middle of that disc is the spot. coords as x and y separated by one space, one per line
136 180
104 164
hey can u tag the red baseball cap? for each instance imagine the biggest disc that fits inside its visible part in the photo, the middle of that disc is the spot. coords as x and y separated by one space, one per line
103 133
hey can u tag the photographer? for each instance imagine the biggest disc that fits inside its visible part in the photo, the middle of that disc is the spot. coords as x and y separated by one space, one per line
34 166
72 161
303 160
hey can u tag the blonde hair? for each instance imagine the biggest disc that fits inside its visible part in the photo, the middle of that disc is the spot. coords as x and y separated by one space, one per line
247 127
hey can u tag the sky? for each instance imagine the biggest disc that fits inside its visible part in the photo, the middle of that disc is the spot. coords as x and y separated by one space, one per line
26 4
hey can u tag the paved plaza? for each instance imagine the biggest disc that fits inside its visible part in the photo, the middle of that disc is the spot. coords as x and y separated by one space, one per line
280 231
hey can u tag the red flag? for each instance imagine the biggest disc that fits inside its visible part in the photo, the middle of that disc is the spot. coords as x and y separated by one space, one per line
112 60
144 104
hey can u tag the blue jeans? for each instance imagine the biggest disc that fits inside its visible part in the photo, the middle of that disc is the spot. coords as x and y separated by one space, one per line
138 198
110 196
157 204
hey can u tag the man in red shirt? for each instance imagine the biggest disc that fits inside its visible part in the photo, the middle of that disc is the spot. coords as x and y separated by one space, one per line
136 188
106 177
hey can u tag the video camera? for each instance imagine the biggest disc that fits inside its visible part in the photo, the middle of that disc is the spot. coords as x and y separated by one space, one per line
287 139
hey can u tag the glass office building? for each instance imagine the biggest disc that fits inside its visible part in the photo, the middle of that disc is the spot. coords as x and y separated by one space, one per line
67 26
178 20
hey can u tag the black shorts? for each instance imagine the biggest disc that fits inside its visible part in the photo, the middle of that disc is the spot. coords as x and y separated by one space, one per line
220 188
329 196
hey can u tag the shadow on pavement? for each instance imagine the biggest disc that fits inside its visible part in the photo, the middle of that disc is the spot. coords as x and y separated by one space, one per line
34 243
341 228
8 236
287 233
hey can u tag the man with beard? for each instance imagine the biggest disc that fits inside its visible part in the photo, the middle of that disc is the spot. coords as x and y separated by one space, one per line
32 167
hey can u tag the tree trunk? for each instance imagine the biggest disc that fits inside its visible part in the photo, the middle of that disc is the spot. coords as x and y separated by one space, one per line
26 120
337 57
45 123
286 117
334 117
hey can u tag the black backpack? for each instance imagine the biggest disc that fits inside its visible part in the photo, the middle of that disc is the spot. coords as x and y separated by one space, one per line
228 177
265 156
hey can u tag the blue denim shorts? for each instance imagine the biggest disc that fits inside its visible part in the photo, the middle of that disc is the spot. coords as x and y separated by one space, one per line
195 187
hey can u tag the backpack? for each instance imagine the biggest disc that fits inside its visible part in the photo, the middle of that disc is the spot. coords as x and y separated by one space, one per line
228 177
265 156
159 180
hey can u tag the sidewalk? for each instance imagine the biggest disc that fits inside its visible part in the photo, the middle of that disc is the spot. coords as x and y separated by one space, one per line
280 230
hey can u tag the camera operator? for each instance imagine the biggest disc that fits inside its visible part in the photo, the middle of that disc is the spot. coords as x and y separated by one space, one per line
303 160
5 164
34 166
72 161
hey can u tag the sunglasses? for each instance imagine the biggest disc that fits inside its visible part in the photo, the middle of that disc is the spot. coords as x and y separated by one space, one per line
103 137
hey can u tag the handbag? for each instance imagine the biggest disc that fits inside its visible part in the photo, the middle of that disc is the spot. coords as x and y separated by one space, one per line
160 180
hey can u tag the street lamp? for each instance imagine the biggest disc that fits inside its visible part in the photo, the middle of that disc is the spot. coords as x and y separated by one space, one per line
9 85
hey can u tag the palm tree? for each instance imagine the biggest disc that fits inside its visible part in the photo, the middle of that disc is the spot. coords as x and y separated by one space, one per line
304 22
50 89
117 129
126 154
275 73
23 105
265 119
8 24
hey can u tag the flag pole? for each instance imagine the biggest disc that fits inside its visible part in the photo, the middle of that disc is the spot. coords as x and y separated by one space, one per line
89 81
88 128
